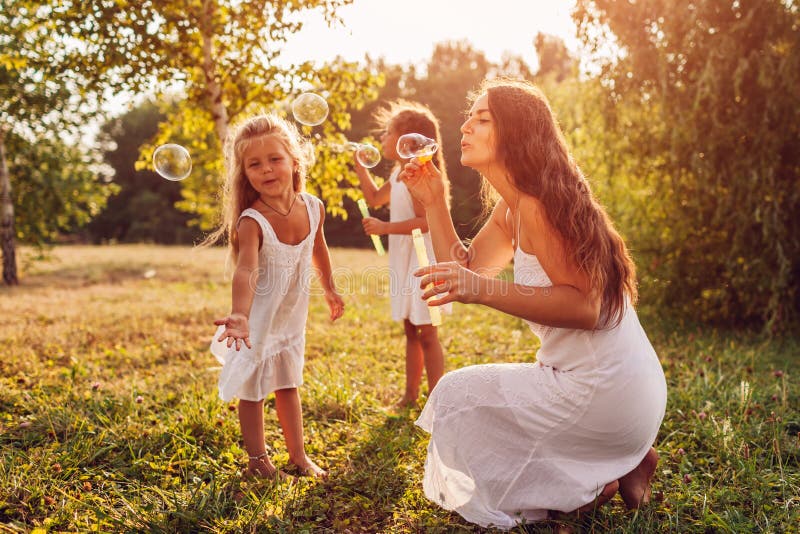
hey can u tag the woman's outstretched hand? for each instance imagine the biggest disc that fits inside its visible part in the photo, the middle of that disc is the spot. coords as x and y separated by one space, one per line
451 282
423 180
237 329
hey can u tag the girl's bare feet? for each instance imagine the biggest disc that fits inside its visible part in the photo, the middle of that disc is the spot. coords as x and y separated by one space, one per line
406 402
401 407
635 486
308 468
261 467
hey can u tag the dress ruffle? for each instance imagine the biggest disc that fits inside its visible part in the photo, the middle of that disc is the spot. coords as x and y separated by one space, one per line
252 374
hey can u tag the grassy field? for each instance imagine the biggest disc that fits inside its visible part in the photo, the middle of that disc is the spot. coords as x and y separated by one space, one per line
110 421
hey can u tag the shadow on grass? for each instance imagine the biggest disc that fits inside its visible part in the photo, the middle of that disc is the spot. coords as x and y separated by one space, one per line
376 488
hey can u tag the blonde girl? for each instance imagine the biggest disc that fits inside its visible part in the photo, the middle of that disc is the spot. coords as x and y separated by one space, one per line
275 234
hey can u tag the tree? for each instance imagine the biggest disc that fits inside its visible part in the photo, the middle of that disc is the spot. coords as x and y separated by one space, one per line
57 188
7 218
717 81
144 208
39 102
224 55
555 61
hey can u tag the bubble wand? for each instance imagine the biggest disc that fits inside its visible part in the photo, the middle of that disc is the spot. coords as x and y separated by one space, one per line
422 259
376 240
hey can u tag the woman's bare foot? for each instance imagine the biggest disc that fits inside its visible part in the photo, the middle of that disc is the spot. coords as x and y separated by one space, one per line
262 467
308 468
606 495
635 486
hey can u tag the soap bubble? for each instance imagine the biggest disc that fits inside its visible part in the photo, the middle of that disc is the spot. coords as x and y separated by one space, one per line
367 155
310 109
172 162
414 145
339 148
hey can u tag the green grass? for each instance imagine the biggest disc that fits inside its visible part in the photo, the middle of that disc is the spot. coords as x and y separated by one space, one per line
110 421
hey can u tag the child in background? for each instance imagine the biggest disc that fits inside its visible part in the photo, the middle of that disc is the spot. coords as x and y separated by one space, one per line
275 233
422 339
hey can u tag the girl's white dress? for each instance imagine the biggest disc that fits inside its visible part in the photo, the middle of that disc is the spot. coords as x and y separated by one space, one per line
406 295
511 441
278 316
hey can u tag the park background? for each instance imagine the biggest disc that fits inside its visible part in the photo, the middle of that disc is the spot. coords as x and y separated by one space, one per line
683 116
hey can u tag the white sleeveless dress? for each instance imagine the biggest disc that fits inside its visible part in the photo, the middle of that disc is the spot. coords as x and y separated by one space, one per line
277 317
511 441
406 295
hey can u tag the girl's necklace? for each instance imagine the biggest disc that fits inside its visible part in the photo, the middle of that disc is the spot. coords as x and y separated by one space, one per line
279 212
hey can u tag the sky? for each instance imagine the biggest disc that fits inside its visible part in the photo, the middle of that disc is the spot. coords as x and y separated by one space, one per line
394 30
406 31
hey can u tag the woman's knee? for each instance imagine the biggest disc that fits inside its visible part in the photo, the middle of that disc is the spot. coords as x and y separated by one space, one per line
457 379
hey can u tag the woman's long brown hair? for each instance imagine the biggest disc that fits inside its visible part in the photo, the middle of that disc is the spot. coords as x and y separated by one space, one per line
530 144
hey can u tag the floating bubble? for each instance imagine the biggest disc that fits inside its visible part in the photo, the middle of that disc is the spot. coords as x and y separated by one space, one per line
414 145
339 148
172 162
368 156
310 109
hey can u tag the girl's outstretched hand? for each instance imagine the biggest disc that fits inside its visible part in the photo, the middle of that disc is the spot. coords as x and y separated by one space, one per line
423 180
451 282
237 329
335 303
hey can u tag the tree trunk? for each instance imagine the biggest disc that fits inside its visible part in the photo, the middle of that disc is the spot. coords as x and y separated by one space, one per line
213 89
7 219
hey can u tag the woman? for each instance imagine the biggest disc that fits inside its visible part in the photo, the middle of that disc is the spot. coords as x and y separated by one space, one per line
513 442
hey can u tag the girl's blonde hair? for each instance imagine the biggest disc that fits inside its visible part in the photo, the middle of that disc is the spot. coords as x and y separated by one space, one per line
237 193
412 117
532 147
